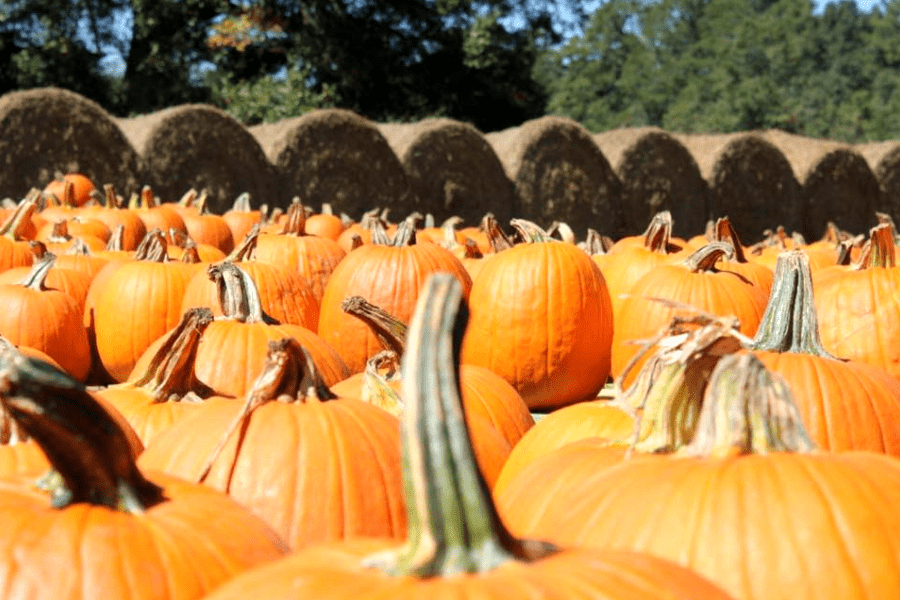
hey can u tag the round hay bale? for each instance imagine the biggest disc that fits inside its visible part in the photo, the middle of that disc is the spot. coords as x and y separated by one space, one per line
200 146
884 160
46 130
560 174
837 184
657 173
750 181
451 169
334 155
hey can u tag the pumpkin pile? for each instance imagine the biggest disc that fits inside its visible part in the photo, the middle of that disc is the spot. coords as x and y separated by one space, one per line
293 404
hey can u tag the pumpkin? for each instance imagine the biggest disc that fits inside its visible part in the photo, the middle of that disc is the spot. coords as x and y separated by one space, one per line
284 294
69 281
314 466
758 274
845 405
241 218
858 309
313 257
232 349
155 215
81 186
107 529
458 547
541 319
205 227
678 289
14 248
46 319
325 224
388 273
113 214
737 501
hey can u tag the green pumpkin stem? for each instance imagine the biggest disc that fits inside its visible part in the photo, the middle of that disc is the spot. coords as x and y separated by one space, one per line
454 527
238 294
82 441
389 330
747 410
789 323
170 375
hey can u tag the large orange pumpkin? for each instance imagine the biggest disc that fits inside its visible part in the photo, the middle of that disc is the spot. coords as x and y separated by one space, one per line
542 319
112 531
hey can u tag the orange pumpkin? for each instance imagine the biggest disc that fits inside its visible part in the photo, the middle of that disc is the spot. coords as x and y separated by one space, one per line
101 505
82 186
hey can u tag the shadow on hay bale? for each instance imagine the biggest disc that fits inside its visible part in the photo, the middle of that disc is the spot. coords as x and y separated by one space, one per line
657 173
559 173
750 181
451 169
837 184
334 155
200 146
884 160
46 130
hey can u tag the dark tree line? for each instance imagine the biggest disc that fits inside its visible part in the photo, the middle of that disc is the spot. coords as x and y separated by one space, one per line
686 65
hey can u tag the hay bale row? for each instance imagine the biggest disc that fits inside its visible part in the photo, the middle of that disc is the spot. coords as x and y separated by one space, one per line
749 180
884 160
657 173
559 173
199 146
837 184
336 156
452 170
43 131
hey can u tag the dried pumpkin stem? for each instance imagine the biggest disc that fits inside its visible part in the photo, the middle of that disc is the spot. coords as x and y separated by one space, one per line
725 232
37 276
289 375
789 323
242 203
295 223
530 232
14 226
747 410
238 294
659 233
170 375
705 259
153 248
453 524
389 330
497 239
245 249
882 251
82 441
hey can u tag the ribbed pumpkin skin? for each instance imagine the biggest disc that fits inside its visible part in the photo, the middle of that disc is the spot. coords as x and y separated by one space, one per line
313 257
844 405
779 526
231 355
859 315
315 471
541 318
137 304
388 277
332 572
720 293
49 321
597 419
284 294
86 553
74 283
24 458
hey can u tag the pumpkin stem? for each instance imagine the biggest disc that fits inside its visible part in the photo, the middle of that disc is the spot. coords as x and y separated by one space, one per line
295 223
375 387
498 240
37 276
725 232
595 244
170 375
238 294
188 198
530 232
111 199
242 203
789 323
665 399
245 249
148 198
153 248
658 234
405 234
116 239
289 375
705 259
453 524
14 226
60 232
83 443
388 329
563 230
747 410
11 432
882 251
